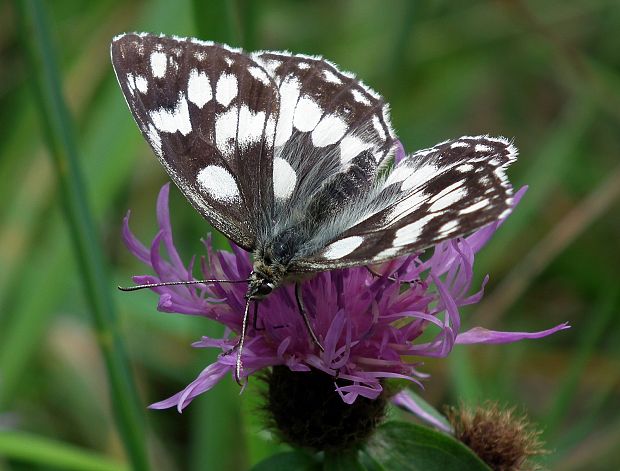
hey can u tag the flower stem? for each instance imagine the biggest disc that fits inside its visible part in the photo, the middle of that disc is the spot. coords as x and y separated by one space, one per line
57 125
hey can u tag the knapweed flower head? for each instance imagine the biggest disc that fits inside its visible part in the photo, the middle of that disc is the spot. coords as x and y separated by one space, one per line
374 324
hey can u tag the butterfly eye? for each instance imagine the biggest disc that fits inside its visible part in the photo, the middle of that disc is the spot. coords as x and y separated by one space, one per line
267 260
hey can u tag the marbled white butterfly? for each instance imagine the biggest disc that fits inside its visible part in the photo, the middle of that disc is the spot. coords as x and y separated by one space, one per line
293 159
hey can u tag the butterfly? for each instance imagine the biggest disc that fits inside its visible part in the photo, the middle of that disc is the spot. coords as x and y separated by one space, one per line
293 160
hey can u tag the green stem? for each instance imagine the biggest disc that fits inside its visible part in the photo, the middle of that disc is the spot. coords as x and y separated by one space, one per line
58 129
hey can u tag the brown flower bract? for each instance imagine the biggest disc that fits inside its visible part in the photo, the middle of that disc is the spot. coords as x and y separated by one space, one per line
501 438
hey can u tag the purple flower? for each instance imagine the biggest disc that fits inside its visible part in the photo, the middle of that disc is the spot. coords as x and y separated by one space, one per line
369 325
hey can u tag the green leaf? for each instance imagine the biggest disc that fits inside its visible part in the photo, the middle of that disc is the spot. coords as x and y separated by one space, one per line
369 463
289 461
410 447
343 461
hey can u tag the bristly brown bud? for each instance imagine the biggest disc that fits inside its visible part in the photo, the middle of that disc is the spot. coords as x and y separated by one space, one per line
502 438
304 410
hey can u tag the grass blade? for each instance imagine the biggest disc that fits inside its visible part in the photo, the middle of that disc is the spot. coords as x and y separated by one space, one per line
33 449
58 129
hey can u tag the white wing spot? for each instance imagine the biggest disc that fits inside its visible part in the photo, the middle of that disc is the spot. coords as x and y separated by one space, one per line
411 232
259 74
142 84
199 88
342 248
159 62
228 61
331 77
219 183
270 65
226 89
284 179
360 97
303 65
250 126
352 146
407 206
173 120
465 168
307 114
131 83
387 253
457 144
448 199
483 148
385 112
226 130
475 207
448 228
270 130
329 131
377 125
397 175
289 94
448 195
419 176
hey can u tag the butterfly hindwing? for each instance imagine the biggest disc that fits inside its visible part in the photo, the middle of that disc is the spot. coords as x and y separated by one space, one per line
209 113
432 195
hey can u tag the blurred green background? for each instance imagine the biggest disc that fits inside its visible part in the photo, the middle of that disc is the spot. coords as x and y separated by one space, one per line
545 72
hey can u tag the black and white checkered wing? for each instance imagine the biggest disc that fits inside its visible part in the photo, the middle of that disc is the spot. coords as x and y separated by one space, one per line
209 113
332 134
432 195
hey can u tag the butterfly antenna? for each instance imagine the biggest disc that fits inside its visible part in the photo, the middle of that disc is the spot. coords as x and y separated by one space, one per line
244 326
175 283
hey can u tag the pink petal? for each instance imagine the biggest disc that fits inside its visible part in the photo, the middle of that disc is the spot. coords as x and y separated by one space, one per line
482 335
407 402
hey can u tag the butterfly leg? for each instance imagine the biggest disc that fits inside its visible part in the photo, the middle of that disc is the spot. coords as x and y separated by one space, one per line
255 318
391 278
244 327
379 275
304 314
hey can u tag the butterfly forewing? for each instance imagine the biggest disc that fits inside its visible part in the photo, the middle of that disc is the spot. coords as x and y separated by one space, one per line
433 195
209 113
332 134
